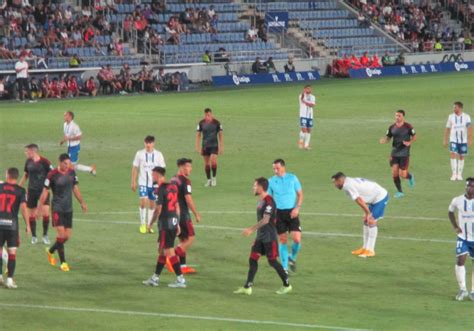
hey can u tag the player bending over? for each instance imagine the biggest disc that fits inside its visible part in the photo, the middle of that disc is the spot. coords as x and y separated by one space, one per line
307 102
63 183
373 199
266 241
464 228
186 237
167 213
12 200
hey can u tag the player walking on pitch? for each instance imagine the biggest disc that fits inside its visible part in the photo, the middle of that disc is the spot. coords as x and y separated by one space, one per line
72 137
286 189
266 241
186 202
143 163
167 212
459 132
63 183
403 136
209 130
12 200
373 199
464 228
307 102
36 170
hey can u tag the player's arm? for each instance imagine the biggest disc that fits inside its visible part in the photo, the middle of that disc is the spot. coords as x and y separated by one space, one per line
264 221
23 179
43 197
299 202
156 214
134 178
192 206
221 142
454 223
78 195
26 218
388 136
367 214
178 212
447 132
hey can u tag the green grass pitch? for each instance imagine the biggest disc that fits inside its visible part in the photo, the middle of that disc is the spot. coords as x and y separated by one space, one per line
409 285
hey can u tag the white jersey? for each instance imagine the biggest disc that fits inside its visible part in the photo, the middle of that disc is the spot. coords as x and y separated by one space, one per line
369 191
21 65
305 111
458 125
145 162
71 130
465 208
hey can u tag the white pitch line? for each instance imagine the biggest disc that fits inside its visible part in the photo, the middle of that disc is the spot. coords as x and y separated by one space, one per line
177 316
420 218
310 233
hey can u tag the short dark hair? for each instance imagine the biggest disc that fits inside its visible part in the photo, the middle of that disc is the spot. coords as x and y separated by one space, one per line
70 114
401 111
32 146
459 104
13 173
469 180
306 86
338 175
207 110
183 161
149 139
160 170
280 161
63 157
263 182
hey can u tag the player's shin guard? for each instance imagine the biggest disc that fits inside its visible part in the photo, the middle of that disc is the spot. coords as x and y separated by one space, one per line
182 255
150 215
253 268
372 238
398 183
283 249
33 226
11 265
295 248
454 167
45 225
461 277
307 139
176 266
366 236
281 272
208 172
460 167
142 216
160 264
214 170
61 250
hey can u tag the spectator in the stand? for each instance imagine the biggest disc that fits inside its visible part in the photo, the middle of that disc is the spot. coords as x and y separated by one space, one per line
262 34
252 34
173 34
364 60
206 57
467 39
438 46
175 81
125 77
3 89
54 90
213 25
45 87
90 88
400 60
258 67
222 55
4 52
355 63
387 60
118 46
89 35
144 80
211 12
289 66
269 65
62 86
75 61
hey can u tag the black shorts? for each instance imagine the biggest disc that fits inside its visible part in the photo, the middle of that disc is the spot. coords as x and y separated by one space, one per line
402 161
166 239
187 229
10 237
32 198
62 219
208 151
285 223
269 249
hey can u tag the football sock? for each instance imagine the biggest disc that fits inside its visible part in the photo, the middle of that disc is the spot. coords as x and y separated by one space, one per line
461 277
81 167
454 166
372 238
295 248
214 170
11 265
181 254
253 267
45 225
281 272
398 183
302 136
208 172
366 236
150 215
307 139
176 266
408 176
460 167
142 216
160 264
61 253
283 248
33 226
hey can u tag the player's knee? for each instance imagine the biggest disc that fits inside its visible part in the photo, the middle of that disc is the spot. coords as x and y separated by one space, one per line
11 256
272 261
283 239
254 257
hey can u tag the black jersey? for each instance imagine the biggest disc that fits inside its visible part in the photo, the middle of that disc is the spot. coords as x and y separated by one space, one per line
11 197
168 200
184 188
210 131
62 185
267 206
399 135
36 172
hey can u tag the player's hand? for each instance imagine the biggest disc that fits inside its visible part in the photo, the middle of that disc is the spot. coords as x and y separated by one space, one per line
134 187
28 230
198 217
407 143
247 232
178 230
148 227
61 142
295 212
383 140
457 230
84 208
370 220
221 150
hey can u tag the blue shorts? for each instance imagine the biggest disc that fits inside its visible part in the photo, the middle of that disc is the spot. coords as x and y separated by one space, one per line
460 149
378 209
306 123
73 152
464 247
146 192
